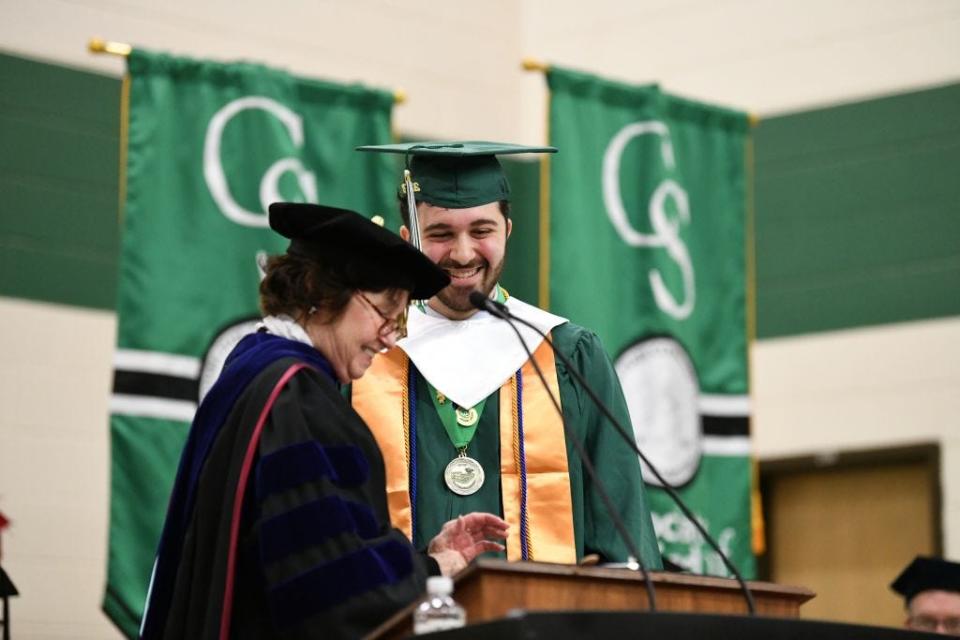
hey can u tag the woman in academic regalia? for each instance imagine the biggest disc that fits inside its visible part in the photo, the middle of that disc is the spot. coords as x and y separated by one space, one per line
278 524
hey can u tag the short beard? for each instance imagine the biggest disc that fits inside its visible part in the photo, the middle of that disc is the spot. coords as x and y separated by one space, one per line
459 299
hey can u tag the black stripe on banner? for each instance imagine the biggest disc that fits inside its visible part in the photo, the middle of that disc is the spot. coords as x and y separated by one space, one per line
725 425
157 385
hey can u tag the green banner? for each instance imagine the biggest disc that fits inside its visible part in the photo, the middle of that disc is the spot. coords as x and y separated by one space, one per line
210 147
647 223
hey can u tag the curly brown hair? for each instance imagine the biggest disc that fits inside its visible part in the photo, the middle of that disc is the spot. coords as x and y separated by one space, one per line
294 284
323 279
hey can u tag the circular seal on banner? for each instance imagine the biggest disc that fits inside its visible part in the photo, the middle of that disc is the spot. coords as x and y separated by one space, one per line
662 393
218 350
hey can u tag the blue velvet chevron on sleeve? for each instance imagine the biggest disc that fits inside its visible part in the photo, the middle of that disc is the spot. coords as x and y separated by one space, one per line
303 462
312 524
348 576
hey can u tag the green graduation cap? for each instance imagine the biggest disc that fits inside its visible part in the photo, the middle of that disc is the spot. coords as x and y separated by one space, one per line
456 175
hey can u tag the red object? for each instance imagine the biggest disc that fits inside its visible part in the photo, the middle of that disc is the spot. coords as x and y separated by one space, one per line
227 607
4 523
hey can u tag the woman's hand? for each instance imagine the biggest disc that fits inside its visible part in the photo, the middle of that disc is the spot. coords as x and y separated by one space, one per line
463 539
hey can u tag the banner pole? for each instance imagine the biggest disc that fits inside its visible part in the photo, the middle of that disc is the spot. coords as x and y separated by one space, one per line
124 139
543 270
758 538
120 49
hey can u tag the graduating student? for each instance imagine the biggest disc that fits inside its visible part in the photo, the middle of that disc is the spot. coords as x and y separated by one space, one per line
458 408
278 525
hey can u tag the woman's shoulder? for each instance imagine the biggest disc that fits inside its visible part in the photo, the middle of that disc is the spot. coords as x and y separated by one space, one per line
297 377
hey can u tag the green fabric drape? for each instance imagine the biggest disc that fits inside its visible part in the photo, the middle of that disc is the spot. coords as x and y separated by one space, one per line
210 147
647 248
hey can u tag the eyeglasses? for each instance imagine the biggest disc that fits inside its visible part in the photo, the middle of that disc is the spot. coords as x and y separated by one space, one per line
929 623
390 325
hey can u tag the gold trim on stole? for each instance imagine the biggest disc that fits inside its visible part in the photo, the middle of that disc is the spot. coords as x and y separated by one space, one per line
549 502
381 397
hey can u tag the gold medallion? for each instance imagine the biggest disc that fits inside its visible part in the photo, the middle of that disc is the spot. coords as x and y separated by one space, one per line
467 417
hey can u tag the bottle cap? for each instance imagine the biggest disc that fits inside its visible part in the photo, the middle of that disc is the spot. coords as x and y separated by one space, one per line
439 585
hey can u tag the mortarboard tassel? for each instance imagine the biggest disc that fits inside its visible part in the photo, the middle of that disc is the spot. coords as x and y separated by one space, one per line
412 208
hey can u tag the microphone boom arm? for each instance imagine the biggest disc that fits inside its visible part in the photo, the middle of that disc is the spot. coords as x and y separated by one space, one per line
504 313
500 311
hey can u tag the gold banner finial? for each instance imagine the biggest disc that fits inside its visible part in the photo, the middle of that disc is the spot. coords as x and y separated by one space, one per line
530 64
99 45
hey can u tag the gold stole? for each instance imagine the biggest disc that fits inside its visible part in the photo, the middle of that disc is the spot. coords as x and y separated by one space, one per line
381 398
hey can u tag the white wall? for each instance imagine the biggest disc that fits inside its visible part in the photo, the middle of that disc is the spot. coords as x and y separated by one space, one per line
55 376
859 389
760 56
456 61
459 63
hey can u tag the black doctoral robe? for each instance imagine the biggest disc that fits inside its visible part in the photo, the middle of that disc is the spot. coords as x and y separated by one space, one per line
315 556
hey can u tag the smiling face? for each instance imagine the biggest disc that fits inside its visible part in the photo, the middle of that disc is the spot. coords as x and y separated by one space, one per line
469 245
365 328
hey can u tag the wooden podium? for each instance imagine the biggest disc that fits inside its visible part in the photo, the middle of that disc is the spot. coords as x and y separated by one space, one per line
490 589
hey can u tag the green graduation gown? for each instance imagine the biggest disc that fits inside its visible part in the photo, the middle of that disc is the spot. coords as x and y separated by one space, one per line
617 465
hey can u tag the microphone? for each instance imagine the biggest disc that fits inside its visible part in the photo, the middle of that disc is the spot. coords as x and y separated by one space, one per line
494 308
504 313
500 310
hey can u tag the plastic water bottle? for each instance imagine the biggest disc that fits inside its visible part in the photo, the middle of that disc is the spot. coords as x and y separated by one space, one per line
438 611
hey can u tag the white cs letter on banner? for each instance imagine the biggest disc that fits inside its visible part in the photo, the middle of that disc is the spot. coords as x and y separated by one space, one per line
269 184
666 232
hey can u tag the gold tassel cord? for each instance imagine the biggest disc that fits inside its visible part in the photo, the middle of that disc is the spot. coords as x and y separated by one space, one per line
515 413
405 382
